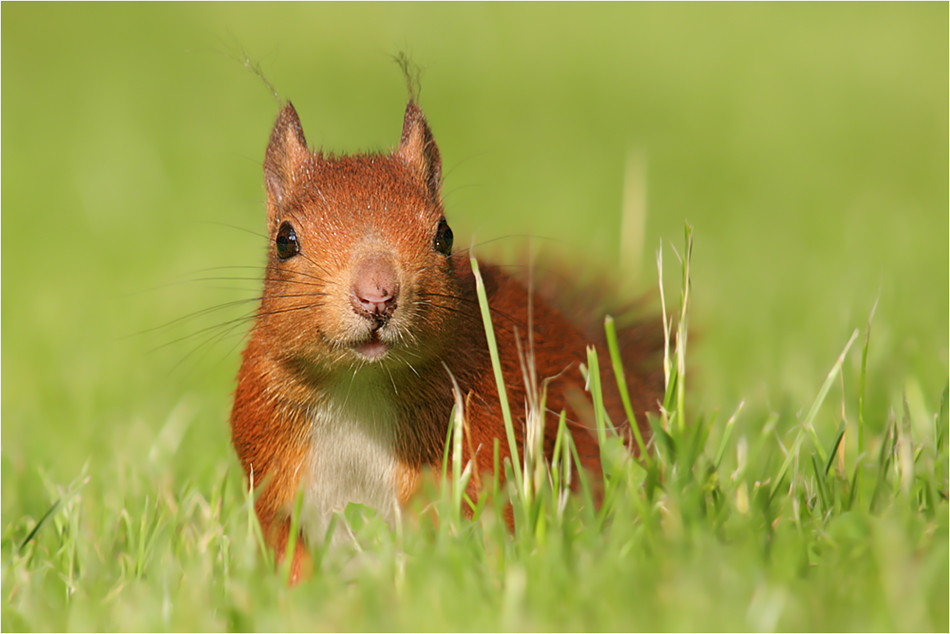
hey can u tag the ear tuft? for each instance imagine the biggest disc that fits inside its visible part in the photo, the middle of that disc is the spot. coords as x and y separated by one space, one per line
286 154
418 149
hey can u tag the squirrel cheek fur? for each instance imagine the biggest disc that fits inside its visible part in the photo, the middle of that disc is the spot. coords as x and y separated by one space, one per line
345 388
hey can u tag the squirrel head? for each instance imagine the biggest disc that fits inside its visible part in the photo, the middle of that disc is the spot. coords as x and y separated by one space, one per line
359 265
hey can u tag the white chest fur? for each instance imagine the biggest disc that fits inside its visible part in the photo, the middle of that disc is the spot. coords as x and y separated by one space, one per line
352 454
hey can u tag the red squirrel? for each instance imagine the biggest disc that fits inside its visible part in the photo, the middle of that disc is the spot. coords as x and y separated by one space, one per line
367 318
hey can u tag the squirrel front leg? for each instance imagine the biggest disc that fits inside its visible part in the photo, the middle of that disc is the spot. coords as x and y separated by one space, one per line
274 507
271 443
301 564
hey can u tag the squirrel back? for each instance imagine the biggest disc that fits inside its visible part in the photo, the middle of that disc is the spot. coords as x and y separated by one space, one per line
366 322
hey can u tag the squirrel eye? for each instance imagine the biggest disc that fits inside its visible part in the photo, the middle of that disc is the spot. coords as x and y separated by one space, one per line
443 238
286 241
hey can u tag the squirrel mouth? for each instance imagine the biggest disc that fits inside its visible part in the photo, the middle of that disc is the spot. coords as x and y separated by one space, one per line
372 349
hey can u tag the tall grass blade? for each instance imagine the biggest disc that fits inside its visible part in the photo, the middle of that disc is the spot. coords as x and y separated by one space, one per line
862 382
74 488
809 422
601 419
682 328
499 375
727 435
291 549
834 448
613 348
36 529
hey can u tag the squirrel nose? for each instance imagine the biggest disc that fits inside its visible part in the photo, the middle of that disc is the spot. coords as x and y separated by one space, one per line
375 288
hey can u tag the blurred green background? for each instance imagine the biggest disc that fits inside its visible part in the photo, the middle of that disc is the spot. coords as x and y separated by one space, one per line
806 143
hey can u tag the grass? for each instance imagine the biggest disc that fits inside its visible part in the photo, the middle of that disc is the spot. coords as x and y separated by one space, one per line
799 476
715 530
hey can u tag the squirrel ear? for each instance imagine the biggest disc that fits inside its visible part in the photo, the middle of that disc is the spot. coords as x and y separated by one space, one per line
418 149
286 154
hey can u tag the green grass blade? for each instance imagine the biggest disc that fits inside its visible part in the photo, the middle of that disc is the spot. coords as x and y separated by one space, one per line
682 328
727 435
485 308
614 348
291 548
834 448
809 421
862 383
601 420
39 524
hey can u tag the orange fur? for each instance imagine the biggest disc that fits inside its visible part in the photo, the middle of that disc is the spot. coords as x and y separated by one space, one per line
322 357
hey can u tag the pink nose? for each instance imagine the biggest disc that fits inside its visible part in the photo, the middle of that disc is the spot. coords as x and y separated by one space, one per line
375 288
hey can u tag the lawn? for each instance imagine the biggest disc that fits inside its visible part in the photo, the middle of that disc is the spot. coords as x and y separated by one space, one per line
803 483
